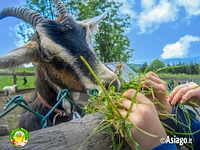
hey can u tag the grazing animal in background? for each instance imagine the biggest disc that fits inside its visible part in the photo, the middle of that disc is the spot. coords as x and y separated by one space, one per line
9 91
55 50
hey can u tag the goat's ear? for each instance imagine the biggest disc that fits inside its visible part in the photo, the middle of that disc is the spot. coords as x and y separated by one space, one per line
25 54
93 22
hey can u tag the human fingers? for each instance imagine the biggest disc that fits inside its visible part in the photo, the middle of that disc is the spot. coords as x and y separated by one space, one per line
152 74
135 120
129 94
126 103
123 112
190 94
181 92
149 75
157 86
155 78
175 91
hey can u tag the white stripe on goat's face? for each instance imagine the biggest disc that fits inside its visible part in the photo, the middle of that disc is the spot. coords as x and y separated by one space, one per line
61 48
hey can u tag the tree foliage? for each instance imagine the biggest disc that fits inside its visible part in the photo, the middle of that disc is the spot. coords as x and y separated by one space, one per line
180 68
156 64
144 67
111 43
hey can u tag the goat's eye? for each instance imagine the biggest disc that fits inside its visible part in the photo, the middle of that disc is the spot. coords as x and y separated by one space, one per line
48 59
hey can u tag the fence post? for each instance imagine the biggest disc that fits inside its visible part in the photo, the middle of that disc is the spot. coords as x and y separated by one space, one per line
15 79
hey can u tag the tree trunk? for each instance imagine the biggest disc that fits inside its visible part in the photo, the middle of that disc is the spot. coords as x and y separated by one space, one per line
72 135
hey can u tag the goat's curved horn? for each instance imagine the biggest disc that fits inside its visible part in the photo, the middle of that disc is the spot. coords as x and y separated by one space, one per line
62 10
60 7
23 13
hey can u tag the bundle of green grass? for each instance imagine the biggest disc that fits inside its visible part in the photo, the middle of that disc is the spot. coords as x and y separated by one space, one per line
108 102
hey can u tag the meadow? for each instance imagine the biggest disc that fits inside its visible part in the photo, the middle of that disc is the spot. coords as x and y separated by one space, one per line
183 77
8 80
187 76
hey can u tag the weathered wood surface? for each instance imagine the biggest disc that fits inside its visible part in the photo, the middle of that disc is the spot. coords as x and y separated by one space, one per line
3 130
66 136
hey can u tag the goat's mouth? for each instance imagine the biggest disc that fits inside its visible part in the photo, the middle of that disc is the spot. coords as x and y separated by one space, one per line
116 83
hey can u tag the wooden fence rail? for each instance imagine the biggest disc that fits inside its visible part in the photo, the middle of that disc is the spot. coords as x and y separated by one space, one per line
17 73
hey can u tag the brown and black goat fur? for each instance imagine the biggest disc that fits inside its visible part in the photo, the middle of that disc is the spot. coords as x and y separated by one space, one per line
55 51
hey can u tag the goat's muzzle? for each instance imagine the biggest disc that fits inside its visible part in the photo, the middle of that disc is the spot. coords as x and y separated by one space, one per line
116 83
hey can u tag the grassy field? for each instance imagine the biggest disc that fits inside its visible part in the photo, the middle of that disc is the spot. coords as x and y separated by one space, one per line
8 80
178 76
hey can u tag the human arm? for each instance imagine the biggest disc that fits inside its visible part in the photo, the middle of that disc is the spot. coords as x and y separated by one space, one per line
166 146
183 93
184 124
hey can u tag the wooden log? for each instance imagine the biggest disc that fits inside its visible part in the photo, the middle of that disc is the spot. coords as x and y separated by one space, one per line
3 130
72 135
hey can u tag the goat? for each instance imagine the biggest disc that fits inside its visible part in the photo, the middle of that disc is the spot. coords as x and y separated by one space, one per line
8 91
55 50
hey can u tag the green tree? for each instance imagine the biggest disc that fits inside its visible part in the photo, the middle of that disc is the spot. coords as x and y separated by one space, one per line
111 43
194 68
173 70
144 67
156 64
45 8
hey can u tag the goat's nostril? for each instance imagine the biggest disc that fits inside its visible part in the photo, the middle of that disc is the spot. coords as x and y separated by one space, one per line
117 84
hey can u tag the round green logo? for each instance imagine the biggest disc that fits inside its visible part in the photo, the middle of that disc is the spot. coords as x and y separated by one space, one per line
19 137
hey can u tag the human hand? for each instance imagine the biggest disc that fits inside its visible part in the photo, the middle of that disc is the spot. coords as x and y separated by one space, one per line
184 92
159 87
144 116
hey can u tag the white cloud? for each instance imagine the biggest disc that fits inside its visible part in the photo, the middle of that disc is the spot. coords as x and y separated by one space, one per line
127 7
147 4
28 65
180 48
192 7
153 15
21 28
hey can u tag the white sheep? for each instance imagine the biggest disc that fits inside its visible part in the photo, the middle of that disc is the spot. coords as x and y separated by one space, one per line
9 90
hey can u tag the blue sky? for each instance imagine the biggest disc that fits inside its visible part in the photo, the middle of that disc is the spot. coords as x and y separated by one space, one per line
159 28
